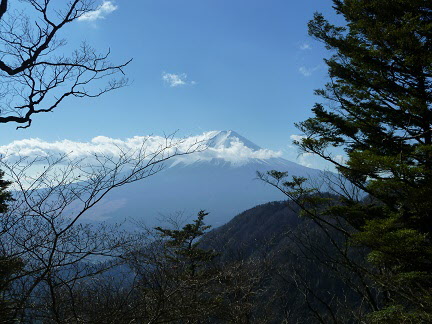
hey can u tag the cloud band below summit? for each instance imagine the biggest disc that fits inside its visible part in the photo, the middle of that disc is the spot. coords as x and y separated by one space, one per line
228 147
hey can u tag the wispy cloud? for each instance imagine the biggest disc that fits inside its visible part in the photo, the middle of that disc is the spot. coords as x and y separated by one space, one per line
104 9
297 138
312 160
342 159
307 72
176 80
308 160
305 46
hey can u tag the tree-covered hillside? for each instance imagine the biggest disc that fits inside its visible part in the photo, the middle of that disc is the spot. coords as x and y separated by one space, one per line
377 108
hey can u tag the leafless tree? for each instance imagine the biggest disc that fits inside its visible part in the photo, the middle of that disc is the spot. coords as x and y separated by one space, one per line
43 226
36 75
156 286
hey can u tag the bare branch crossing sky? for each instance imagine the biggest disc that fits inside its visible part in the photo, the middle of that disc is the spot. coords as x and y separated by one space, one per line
246 65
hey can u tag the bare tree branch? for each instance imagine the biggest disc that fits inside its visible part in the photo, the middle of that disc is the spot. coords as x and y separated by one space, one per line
43 226
34 77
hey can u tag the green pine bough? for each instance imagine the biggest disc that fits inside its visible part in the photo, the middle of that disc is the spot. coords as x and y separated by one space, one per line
377 107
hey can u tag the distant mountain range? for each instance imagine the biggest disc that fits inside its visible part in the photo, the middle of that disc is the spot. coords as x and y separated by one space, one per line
221 180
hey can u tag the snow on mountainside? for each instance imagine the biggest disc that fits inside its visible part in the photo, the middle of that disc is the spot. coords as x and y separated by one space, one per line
221 179
226 147
219 139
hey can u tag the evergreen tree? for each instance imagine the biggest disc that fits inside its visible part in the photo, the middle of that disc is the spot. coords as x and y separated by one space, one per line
188 279
183 246
380 112
5 195
8 265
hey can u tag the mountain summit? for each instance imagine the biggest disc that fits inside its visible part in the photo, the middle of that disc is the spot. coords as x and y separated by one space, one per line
219 139
221 179
224 147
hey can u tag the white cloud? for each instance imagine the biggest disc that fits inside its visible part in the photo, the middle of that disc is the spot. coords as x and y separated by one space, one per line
340 159
104 9
305 46
307 72
176 80
232 150
297 138
307 160
312 160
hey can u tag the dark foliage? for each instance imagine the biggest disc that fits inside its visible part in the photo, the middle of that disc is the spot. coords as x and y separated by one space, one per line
379 110
8 265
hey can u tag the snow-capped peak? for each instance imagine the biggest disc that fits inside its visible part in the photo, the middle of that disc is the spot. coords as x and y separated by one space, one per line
226 146
220 139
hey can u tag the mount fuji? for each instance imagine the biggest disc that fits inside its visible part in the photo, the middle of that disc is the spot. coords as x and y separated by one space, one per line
221 180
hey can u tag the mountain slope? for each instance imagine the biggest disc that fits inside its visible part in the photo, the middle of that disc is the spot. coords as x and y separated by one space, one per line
221 180
255 231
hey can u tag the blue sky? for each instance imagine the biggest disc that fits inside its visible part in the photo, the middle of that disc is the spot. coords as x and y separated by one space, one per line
198 65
